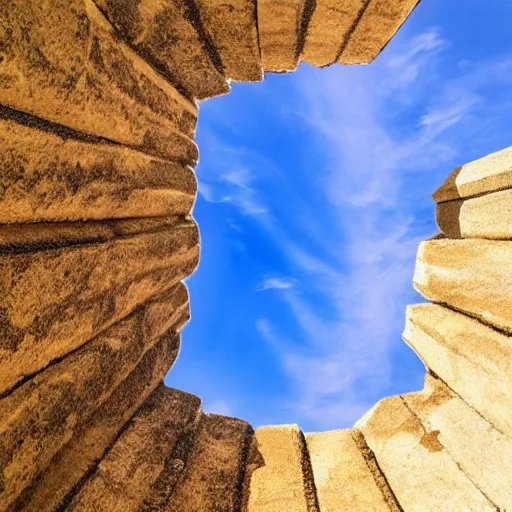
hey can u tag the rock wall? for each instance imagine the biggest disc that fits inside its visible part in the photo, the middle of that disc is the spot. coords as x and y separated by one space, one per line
98 109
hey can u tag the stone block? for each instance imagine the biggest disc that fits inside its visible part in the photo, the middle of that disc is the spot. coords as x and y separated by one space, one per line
63 62
169 35
279 483
472 358
48 177
214 472
379 22
329 26
53 490
488 216
469 275
125 477
488 174
42 415
232 26
418 468
56 298
343 480
482 452
279 28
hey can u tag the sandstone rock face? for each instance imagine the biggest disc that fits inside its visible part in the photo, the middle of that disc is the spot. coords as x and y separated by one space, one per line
54 300
420 471
471 358
469 275
50 177
169 35
378 23
342 477
63 63
232 27
284 480
329 29
98 106
488 174
279 27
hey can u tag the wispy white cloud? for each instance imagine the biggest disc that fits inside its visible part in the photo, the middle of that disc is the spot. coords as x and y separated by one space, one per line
279 283
218 407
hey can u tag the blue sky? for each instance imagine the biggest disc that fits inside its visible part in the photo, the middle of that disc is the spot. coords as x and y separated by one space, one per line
314 192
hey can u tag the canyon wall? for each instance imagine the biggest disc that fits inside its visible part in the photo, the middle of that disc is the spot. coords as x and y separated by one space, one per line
98 111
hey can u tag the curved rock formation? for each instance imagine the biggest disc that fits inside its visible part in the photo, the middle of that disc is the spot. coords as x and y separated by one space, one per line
97 119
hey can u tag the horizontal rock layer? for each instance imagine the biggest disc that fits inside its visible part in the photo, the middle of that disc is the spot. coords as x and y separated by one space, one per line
47 176
469 275
55 299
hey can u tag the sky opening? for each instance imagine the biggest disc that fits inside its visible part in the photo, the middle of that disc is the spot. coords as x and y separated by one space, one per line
314 192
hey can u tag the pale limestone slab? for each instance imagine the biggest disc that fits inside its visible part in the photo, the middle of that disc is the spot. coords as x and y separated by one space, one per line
472 358
279 26
328 27
278 484
488 216
470 275
421 473
342 478
482 452
488 174
379 22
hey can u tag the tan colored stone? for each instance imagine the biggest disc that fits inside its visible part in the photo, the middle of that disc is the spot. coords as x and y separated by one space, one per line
92 438
125 476
278 484
487 216
47 177
483 453
488 174
213 475
379 22
330 24
343 480
63 63
54 300
469 275
421 473
169 35
473 359
232 27
279 26
41 416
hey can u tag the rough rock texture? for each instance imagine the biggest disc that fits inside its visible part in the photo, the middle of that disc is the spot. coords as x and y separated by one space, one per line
169 35
71 465
487 216
125 478
50 177
342 477
54 300
472 358
468 275
98 105
41 416
418 468
328 29
482 452
284 478
232 27
279 27
378 23
62 62
488 174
